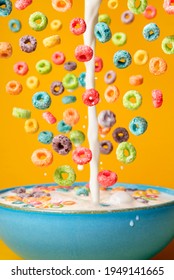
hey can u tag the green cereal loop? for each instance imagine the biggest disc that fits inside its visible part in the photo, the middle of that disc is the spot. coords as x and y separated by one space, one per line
67 170
38 26
70 81
43 66
128 104
120 152
21 113
77 137
119 39
137 10
166 43
104 18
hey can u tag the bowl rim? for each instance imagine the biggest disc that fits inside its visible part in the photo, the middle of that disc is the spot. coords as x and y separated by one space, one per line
64 212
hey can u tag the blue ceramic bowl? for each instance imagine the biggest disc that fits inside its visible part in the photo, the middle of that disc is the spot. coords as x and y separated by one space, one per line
91 235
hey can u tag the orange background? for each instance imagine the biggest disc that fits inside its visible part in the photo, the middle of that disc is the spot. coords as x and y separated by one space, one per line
155 154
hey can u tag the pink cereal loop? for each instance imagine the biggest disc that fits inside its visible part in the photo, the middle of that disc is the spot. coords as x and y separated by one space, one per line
22 4
168 7
157 98
48 116
82 155
83 53
42 157
77 26
62 5
58 58
111 93
107 178
98 64
157 65
21 68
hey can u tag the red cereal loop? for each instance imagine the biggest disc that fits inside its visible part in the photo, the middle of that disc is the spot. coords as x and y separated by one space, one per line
82 155
58 58
21 68
157 98
90 97
150 12
22 4
62 5
98 64
83 53
107 178
48 116
77 26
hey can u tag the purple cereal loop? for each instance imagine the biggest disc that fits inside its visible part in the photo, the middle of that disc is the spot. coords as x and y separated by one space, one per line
120 134
61 144
70 65
127 17
54 86
110 77
106 147
106 118
28 43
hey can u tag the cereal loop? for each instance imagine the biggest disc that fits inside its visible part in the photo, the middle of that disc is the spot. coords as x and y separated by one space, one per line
28 43
49 117
136 80
111 94
106 147
58 178
168 7
32 82
119 38
71 116
138 126
56 24
98 64
107 178
58 58
42 157
21 113
21 68
62 5
140 57
168 44
82 155
126 152
137 10
14 25
120 134
5 7
132 100
5 50
51 41
13 87
31 126
113 4
150 12
77 26
22 4
83 53
157 66
90 97
38 21
157 98
110 77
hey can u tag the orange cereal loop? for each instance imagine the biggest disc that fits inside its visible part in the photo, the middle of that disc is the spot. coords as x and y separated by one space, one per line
13 87
136 80
157 66
103 130
71 116
31 126
68 202
111 94
42 157
62 5
5 50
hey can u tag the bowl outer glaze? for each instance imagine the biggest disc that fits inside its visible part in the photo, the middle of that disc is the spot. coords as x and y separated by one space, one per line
93 236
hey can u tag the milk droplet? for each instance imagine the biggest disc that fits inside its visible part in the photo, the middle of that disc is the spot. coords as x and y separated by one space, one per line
84 126
96 78
101 162
80 167
121 167
45 174
131 223
137 218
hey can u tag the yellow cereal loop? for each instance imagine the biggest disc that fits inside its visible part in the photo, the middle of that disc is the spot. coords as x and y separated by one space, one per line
51 41
56 24
140 57
113 4
32 82
31 126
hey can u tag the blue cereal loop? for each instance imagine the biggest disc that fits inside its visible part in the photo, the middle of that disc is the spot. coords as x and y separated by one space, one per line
138 126
41 100
7 9
45 137
102 32
63 127
69 99
14 25
82 191
151 32
122 59
82 79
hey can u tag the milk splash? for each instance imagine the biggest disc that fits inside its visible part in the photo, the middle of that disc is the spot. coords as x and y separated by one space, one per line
91 18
